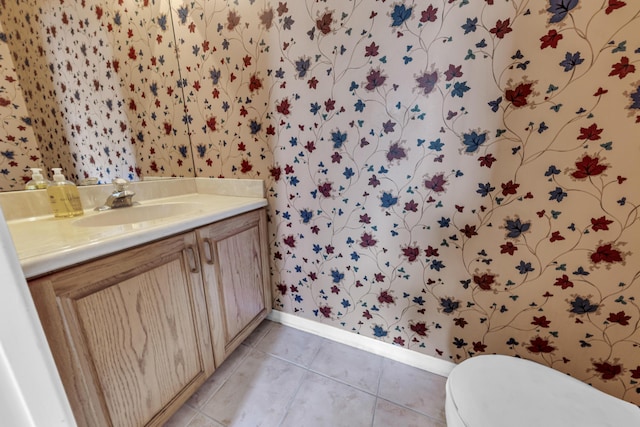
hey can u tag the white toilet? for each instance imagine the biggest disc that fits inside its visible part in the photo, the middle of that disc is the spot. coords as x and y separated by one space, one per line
504 391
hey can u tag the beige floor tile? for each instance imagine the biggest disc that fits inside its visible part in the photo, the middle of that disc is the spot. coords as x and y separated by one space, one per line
203 421
283 377
389 414
257 393
215 381
414 388
323 402
259 333
353 366
290 344
182 417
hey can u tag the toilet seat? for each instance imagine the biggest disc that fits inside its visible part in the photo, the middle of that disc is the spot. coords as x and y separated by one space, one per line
497 391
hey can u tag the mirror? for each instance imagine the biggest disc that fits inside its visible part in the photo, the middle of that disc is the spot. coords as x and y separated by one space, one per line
93 87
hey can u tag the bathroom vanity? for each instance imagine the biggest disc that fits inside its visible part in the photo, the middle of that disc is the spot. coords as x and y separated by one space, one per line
140 307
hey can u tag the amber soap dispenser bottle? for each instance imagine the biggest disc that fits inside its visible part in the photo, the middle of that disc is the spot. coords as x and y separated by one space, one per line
63 196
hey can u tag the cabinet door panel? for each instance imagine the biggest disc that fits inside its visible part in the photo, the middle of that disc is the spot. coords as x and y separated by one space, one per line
130 331
143 323
240 271
235 271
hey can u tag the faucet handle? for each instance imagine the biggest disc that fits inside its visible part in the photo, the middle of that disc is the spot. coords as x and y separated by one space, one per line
120 184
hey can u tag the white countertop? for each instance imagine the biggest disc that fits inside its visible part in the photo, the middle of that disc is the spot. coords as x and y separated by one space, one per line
45 243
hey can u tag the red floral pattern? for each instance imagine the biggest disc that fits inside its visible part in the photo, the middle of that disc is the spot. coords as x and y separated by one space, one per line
454 178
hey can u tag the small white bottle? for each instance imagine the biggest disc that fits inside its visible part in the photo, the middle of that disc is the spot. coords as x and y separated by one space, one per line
37 180
64 196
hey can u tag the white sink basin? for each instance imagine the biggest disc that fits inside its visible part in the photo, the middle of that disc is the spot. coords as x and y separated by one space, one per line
138 214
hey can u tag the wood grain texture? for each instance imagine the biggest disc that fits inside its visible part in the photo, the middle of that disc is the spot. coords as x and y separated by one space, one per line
237 282
84 398
130 332
136 333
241 275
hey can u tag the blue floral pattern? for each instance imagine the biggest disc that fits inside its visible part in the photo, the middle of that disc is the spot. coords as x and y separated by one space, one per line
452 177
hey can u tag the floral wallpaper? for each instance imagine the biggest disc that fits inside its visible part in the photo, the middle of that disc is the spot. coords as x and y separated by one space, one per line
18 149
454 177
109 101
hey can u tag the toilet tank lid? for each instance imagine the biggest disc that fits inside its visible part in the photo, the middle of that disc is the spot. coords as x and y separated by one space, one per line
496 391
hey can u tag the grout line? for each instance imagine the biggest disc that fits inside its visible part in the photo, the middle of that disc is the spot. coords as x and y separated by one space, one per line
189 419
299 364
261 333
311 370
293 397
308 370
399 354
382 365
223 382
206 417
315 356
415 411
339 381
375 407
380 373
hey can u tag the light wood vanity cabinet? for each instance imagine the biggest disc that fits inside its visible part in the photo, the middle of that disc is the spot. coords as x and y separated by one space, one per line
235 271
134 334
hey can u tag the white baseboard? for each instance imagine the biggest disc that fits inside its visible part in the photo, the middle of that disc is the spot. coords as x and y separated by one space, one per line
399 354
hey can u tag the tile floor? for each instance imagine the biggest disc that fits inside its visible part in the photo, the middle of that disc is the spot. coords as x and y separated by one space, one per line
281 376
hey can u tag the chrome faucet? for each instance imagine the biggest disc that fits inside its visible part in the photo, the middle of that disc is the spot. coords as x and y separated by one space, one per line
120 198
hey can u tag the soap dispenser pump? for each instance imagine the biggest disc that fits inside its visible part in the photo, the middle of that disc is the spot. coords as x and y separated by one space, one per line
37 180
64 196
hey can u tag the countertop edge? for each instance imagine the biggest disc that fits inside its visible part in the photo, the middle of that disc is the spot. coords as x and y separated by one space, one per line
47 263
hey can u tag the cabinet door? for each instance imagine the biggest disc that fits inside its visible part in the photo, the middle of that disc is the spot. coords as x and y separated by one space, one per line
235 270
129 332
